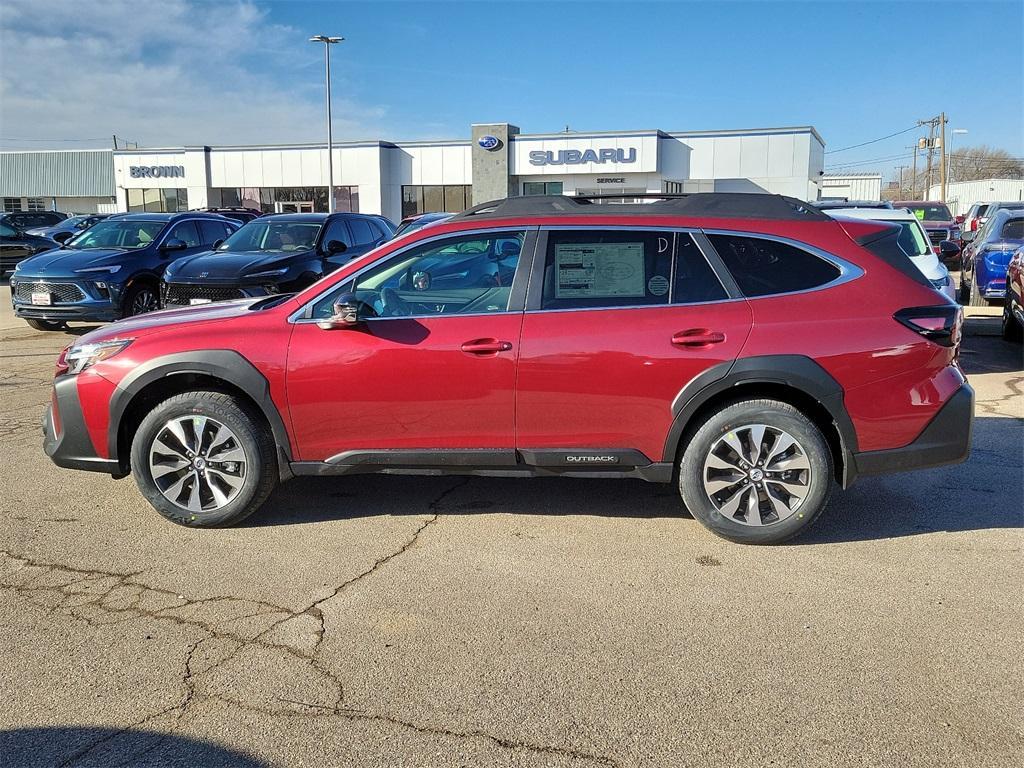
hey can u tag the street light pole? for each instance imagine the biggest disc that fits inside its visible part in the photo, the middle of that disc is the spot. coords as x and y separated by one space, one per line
328 42
949 155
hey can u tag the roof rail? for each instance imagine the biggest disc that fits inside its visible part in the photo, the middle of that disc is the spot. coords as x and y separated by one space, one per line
724 205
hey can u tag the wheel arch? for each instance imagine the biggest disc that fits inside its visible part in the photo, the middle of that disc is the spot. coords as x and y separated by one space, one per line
794 379
214 370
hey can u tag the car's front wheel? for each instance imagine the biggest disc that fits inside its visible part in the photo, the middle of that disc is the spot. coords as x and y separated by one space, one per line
756 472
1012 330
140 299
46 325
204 459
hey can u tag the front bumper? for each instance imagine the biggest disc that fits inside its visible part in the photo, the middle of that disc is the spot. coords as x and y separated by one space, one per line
65 437
946 440
90 303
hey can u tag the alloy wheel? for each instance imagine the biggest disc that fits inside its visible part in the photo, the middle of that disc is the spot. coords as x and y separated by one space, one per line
144 301
197 463
757 475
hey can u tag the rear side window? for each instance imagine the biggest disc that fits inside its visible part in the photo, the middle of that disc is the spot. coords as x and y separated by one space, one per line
361 232
763 267
594 269
1013 229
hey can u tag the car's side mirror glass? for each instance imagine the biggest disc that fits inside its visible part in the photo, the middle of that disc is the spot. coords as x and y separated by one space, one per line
347 312
63 237
948 248
217 244
968 236
336 246
174 244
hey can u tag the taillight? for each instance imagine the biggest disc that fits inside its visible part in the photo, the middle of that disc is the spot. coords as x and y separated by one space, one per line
62 362
941 324
974 225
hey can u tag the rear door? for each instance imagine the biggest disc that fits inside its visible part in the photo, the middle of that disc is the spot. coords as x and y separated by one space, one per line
618 321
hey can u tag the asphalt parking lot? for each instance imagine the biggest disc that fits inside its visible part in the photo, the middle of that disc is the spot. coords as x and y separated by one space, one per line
400 621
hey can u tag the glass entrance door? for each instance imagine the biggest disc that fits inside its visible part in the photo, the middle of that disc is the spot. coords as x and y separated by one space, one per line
295 207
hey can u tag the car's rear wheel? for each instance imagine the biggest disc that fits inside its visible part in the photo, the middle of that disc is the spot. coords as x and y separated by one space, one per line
976 299
204 459
140 299
756 472
1012 330
46 325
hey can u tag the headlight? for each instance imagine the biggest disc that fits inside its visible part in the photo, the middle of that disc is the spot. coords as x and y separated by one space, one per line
269 273
78 357
942 282
106 270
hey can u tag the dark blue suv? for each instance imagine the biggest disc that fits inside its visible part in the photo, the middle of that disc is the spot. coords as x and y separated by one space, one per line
111 270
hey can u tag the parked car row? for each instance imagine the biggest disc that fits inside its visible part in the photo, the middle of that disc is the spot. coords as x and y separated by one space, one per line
132 263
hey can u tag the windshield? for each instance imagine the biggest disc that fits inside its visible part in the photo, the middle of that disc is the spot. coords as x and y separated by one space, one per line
273 236
911 239
930 212
122 233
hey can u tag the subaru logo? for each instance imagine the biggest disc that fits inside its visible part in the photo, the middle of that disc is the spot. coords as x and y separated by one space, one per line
490 143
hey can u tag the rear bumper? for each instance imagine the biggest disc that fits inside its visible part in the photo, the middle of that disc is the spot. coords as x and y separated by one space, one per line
65 437
946 440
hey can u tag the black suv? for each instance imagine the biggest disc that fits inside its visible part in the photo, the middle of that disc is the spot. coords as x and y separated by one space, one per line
32 219
282 253
16 245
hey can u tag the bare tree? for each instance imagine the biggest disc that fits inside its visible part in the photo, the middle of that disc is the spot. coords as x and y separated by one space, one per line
984 162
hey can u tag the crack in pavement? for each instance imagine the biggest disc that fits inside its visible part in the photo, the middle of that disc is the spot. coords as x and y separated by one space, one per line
230 627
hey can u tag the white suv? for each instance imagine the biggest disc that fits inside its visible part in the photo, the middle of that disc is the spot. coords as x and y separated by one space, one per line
913 240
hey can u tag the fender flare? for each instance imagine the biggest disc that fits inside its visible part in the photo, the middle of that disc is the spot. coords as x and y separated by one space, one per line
225 364
794 371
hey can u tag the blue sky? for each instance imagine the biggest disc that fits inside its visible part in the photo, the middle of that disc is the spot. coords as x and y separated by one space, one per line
189 71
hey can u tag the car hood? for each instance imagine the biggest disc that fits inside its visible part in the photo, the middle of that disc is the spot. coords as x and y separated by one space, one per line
65 261
150 322
214 265
44 231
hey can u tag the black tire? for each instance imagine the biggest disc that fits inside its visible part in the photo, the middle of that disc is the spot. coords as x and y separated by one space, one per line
729 421
976 299
1012 330
46 325
140 299
253 436
963 294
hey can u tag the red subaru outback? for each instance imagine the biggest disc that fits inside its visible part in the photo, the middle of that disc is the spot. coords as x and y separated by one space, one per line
747 347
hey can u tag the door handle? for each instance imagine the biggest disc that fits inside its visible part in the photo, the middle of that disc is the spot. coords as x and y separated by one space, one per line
486 346
697 337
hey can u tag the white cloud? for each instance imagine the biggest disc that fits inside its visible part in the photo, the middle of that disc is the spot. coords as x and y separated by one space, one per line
164 73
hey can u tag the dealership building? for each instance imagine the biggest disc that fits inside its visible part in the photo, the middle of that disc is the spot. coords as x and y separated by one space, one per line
398 179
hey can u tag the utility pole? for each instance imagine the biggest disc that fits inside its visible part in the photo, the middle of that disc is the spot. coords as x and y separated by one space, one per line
931 152
942 155
913 177
902 167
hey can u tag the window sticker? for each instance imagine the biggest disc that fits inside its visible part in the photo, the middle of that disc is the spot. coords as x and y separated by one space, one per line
919 213
658 285
599 270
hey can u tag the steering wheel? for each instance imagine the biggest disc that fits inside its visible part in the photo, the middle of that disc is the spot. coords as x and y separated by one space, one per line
393 305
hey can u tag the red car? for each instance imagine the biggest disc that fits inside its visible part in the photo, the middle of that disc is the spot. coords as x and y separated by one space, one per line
746 347
1013 307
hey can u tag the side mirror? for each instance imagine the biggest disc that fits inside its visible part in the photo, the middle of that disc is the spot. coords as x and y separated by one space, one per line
968 236
948 249
63 237
960 218
346 313
217 244
174 244
336 246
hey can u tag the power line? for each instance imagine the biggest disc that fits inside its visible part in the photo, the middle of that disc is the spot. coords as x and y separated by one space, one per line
873 141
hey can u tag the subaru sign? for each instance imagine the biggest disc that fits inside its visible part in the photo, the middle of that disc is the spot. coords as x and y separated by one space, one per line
580 157
490 143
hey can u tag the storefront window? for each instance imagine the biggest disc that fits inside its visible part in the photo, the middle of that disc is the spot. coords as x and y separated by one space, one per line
542 187
285 199
452 198
157 200
12 204
36 204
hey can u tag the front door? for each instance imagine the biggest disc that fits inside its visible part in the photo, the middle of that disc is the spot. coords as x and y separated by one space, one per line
297 207
431 368
617 323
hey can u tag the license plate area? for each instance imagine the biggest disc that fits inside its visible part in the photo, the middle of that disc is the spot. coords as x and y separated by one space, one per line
200 301
41 299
